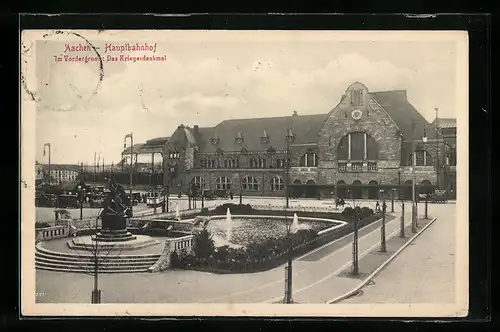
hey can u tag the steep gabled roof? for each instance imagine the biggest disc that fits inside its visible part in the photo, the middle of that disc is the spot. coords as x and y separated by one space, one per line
402 112
305 128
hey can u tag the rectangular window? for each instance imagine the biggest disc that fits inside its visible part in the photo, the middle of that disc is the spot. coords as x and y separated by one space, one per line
251 163
420 158
357 146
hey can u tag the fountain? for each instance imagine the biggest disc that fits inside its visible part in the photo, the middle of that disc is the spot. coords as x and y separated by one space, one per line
229 225
295 226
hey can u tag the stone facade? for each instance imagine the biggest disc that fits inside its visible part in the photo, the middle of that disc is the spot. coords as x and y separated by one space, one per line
358 112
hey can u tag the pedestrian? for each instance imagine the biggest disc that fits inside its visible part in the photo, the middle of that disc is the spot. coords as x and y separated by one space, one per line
377 207
231 195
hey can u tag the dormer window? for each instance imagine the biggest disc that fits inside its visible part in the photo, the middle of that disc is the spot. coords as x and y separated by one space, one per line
271 150
239 138
290 136
220 152
243 151
215 140
264 138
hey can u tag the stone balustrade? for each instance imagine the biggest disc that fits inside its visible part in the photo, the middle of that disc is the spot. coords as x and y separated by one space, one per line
51 233
181 245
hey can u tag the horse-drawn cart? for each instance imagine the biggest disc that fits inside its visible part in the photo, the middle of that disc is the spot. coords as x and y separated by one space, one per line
438 196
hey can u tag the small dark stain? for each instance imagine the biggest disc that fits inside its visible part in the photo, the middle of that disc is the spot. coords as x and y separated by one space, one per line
25 86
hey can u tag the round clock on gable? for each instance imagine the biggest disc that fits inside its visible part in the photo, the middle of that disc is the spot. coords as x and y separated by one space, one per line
356 114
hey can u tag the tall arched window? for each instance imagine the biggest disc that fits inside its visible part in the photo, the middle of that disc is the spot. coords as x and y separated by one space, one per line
250 183
223 183
422 158
277 183
198 182
309 159
357 146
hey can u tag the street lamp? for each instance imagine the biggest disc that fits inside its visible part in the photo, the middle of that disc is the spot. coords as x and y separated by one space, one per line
80 191
402 218
393 193
383 247
131 162
49 147
289 137
288 268
414 184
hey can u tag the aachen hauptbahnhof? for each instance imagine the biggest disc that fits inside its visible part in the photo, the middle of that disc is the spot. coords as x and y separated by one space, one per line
363 144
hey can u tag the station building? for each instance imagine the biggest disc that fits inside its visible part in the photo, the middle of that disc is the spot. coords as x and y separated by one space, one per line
362 145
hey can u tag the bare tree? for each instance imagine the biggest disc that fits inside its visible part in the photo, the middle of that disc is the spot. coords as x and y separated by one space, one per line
99 256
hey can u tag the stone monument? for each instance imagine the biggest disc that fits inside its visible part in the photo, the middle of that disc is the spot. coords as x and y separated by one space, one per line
114 216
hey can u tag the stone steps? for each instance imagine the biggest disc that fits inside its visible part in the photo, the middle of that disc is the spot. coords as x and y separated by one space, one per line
82 258
84 263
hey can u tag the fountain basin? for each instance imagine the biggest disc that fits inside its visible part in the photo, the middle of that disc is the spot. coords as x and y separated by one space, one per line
247 229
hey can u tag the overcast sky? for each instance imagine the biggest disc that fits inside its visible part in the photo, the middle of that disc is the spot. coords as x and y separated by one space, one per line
208 80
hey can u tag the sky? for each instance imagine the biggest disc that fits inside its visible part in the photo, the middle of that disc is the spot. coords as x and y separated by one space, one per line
207 80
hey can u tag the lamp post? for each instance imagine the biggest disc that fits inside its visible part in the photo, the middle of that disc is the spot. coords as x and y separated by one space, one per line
355 218
96 292
402 218
383 247
392 199
288 268
288 138
80 191
131 136
49 148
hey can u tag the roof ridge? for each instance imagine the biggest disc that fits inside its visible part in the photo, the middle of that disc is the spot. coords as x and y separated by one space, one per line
275 117
387 91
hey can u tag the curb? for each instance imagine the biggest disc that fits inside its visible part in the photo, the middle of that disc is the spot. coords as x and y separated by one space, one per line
377 271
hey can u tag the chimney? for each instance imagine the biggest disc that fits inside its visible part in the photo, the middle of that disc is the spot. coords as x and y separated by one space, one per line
295 113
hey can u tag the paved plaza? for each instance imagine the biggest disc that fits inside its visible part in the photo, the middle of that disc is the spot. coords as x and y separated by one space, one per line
316 275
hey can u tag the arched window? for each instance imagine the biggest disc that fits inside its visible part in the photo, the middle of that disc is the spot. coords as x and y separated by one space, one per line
250 183
422 158
357 146
223 183
198 182
310 159
277 183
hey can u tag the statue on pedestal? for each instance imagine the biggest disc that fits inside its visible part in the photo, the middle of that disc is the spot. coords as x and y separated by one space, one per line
114 215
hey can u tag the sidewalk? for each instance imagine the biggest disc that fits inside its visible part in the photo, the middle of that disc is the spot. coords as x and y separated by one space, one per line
423 273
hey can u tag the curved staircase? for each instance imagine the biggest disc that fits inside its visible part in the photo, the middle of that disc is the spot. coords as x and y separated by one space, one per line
84 263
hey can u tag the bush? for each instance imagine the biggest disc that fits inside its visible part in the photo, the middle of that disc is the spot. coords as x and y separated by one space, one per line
366 212
204 246
234 208
348 212
204 211
175 261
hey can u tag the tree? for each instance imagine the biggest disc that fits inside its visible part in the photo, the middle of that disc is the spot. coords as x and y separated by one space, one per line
203 244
